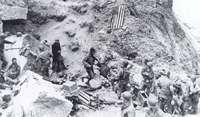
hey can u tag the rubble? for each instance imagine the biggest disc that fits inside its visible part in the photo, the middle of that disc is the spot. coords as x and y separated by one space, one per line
70 33
44 101
150 31
81 9
74 46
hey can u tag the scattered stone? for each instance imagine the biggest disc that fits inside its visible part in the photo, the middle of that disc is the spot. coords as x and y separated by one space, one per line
82 9
36 36
132 55
70 88
37 18
6 98
165 3
96 83
4 105
19 34
178 31
58 18
91 28
74 46
70 33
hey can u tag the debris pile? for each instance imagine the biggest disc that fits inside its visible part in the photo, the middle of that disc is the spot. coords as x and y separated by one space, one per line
83 57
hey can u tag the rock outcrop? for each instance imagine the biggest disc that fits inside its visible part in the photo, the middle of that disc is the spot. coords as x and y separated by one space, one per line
12 10
155 34
37 98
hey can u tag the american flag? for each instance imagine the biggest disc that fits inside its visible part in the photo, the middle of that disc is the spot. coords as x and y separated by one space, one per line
118 18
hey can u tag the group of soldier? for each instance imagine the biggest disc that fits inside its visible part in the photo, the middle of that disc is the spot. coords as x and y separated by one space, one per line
38 62
175 96
165 93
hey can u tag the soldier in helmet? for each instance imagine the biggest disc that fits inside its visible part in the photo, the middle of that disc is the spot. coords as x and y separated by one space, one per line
163 87
177 99
153 110
194 96
123 80
148 77
89 62
128 109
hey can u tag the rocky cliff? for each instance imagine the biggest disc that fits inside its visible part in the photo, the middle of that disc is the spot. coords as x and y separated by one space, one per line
149 28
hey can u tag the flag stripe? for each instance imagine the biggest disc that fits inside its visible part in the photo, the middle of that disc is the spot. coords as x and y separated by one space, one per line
118 19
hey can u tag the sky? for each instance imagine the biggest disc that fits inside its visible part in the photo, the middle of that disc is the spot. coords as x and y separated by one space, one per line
188 11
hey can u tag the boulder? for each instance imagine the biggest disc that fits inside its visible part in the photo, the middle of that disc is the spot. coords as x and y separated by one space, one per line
81 9
165 3
70 33
74 46
45 100
13 12
70 88
20 3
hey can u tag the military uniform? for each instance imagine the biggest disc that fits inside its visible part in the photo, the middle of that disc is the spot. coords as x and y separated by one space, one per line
124 80
164 93
13 71
127 109
177 105
43 63
194 97
148 76
88 63
153 110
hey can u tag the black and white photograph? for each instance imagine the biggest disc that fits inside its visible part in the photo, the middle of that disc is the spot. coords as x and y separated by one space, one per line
99 58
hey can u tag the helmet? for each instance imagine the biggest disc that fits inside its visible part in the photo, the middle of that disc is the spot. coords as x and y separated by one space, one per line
126 95
152 100
125 64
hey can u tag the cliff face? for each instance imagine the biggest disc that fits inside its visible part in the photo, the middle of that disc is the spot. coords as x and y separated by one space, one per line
149 27
156 35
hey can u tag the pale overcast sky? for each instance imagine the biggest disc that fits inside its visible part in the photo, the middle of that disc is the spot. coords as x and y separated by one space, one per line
188 11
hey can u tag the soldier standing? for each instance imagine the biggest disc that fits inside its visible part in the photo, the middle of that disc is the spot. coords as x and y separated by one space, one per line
89 62
148 76
177 100
128 109
153 110
194 96
43 63
164 93
123 81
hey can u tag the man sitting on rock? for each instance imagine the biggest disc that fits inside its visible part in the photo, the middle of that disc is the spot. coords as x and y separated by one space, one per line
13 71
